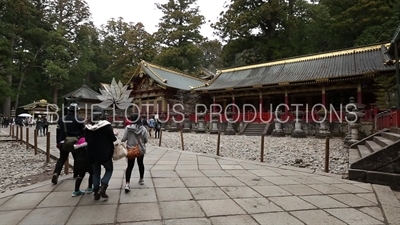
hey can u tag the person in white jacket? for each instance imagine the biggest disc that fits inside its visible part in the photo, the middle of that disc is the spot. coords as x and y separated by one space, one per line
131 135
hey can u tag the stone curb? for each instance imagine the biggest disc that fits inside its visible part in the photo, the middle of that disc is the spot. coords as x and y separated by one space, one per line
389 202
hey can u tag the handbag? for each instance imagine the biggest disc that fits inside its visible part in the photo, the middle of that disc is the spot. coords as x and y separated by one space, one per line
119 151
69 142
134 152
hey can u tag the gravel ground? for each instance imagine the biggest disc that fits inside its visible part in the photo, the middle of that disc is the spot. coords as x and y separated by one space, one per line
19 167
306 152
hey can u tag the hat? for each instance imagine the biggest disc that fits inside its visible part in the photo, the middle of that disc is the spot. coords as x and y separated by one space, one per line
73 107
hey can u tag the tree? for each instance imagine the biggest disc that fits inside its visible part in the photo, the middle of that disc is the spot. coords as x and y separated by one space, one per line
179 35
211 54
186 99
386 94
124 46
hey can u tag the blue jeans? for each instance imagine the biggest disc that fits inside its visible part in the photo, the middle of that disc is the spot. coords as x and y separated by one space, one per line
109 167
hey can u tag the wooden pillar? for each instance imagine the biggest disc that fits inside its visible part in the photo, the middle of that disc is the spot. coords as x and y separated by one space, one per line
323 100
233 102
359 94
261 103
214 102
286 102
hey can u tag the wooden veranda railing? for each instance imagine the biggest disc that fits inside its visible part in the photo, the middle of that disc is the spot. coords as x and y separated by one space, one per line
387 119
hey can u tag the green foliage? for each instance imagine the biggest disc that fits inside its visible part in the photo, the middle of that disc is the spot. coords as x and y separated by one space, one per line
179 35
386 94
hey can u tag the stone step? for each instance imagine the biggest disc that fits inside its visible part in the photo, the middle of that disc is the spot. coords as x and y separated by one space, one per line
383 142
374 177
391 136
354 155
364 150
373 146
395 130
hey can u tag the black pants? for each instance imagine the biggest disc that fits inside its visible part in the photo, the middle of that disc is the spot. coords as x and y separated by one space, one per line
131 163
61 161
157 134
81 175
45 129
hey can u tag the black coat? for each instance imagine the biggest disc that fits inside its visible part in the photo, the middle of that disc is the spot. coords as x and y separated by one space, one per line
74 125
100 144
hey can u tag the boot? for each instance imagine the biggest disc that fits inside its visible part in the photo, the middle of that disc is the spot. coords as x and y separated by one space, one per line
96 194
54 179
103 189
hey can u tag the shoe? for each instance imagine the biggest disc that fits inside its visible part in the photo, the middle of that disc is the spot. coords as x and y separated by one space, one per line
89 190
96 194
54 179
102 191
77 193
141 181
127 188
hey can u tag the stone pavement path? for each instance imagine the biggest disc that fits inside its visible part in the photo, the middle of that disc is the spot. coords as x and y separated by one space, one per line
188 188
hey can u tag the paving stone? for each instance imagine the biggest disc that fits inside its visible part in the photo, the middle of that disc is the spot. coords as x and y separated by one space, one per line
352 200
285 172
370 197
181 209
323 202
163 174
233 220
216 173
3 200
138 212
30 200
224 207
257 205
45 188
190 173
239 173
281 218
270 191
241 192
168 182
305 179
54 215
327 189
113 198
300 189
119 174
352 188
138 195
206 160
291 203
386 196
115 183
13 217
254 181
93 214
316 217
250 166
65 185
365 186
163 167
165 162
280 180
208 193
193 221
375 212
187 167
353 216
198 182
143 223
209 166
392 214
329 180
264 173
227 181
135 174
59 199
227 162
231 167
173 194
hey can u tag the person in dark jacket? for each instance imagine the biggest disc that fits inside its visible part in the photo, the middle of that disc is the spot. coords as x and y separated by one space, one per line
70 126
100 139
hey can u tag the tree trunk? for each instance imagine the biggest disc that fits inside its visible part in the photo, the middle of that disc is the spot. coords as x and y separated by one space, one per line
55 94
7 101
19 91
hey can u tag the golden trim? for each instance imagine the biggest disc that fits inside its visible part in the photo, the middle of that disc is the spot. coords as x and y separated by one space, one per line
229 89
321 80
358 87
307 58
284 84
257 86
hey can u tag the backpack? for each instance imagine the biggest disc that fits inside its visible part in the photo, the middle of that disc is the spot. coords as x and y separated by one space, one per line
69 142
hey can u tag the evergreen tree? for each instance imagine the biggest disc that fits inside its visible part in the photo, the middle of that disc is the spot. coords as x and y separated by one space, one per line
179 35
386 91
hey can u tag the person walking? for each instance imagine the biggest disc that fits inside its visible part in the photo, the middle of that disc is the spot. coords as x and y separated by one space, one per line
39 126
83 166
45 125
100 139
157 129
135 134
69 126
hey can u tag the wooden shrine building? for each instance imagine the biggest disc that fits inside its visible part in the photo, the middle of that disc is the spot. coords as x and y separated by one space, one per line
85 97
326 78
154 86
42 108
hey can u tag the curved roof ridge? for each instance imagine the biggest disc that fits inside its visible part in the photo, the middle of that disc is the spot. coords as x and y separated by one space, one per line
170 70
308 57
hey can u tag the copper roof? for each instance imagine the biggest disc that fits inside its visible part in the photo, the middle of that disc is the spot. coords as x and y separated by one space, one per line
84 92
350 62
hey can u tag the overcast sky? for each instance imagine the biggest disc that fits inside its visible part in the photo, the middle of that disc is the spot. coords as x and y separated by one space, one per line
146 12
